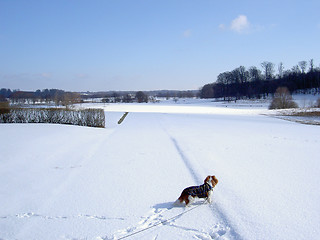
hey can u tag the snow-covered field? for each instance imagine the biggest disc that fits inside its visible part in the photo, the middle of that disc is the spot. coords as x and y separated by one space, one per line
70 182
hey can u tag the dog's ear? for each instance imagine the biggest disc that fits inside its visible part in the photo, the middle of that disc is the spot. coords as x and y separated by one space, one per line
215 179
207 179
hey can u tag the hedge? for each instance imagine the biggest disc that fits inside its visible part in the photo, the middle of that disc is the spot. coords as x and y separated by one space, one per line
85 117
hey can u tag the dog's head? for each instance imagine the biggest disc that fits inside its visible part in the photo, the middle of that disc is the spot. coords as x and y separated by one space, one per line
212 180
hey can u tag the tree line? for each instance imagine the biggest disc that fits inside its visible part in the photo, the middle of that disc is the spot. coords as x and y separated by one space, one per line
257 83
59 97
140 96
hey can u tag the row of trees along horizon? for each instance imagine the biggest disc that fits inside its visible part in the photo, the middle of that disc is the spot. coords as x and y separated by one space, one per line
60 97
255 83
236 84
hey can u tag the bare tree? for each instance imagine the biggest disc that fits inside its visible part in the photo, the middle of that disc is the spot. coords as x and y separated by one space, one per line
69 99
295 69
4 105
141 97
311 65
282 99
303 66
207 91
254 74
268 68
280 69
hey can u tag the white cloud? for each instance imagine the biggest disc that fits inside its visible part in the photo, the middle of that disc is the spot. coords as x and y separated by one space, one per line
187 33
240 24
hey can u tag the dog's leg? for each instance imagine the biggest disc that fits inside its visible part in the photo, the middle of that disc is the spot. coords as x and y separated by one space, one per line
209 198
189 200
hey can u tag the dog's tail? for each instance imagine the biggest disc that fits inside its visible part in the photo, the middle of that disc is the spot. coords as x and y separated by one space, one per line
178 201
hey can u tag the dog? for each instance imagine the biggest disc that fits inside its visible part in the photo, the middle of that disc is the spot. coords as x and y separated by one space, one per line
203 191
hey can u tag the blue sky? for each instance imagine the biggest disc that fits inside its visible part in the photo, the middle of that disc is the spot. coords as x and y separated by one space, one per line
80 45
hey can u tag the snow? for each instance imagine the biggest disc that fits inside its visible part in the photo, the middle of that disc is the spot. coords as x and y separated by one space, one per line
71 182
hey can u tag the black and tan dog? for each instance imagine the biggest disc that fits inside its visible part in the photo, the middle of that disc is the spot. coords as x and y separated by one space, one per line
203 191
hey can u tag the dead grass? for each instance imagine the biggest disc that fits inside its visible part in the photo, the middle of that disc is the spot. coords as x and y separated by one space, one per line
309 116
306 114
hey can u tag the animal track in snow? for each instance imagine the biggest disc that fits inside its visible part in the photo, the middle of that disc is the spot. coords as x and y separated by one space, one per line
71 167
158 217
219 230
153 218
35 215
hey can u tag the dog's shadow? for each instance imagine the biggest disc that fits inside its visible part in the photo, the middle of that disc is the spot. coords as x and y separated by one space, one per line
170 205
167 205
